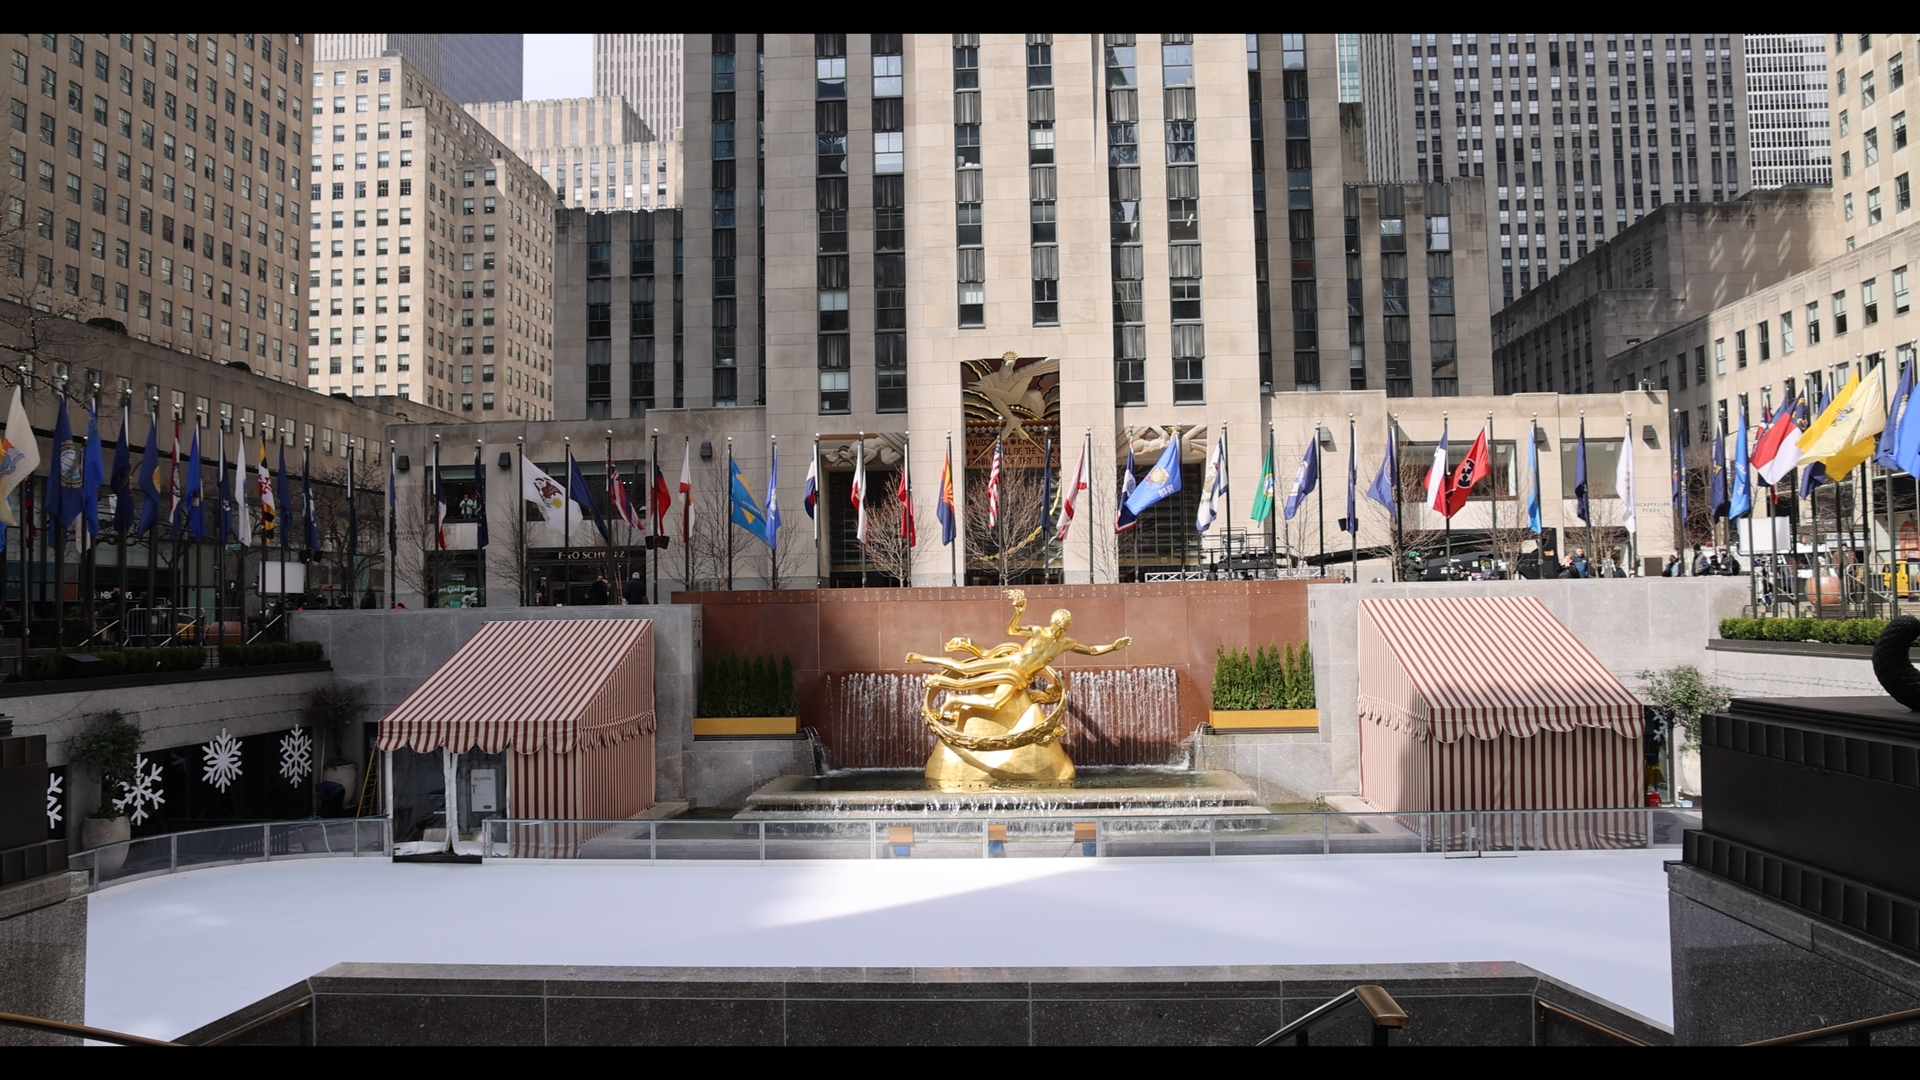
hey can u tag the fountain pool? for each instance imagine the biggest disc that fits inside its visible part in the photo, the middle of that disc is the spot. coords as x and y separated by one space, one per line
1106 789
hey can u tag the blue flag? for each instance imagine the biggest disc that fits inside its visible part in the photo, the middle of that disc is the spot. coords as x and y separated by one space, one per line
1161 481
1717 484
93 474
1351 523
149 480
746 513
62 502
1381 490
196 512
1740 495
1887 454
1533 496
773 497
579 492
1582 505
122 480
1305 478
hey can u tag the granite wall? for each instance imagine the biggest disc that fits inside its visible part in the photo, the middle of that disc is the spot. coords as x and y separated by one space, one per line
43 955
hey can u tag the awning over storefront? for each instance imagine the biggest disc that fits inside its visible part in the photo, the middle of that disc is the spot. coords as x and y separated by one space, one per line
1442 668
555 684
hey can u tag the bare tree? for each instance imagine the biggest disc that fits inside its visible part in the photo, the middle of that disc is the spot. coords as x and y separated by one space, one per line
792 561
1016 543
717 544
414 528
887 550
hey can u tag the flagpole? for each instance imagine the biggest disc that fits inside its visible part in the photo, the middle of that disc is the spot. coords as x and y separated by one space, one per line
686 532
859 463
1633 534
819 507
220 548
126 426
1399 504
519 482
652 550
906 486
1226 488
1273 527
566 528
729 527
1446 518
1353 522
1086 454
1493 486
1320 493
953 550
619 581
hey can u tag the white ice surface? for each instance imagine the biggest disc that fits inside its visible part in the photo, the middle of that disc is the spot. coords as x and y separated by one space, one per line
169 954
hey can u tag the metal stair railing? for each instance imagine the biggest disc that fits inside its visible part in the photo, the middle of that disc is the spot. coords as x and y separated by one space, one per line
81 1031
1385 1013
1857 1033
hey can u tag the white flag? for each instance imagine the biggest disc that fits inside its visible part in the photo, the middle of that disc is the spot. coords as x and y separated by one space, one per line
19 456
543 491
1623 480
1074 488
1212 488
242 518
686 494
860 491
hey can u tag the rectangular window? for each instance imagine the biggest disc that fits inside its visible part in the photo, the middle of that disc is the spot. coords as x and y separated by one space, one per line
1840 312
1900 290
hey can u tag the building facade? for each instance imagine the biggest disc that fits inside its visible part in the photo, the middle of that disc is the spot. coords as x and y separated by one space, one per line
156 180
1577 135
596 152
620 339
1787 113
467 67
647 70
430 250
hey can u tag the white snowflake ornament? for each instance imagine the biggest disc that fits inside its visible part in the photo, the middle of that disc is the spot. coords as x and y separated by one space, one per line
296 755
223 761
55 789
138 798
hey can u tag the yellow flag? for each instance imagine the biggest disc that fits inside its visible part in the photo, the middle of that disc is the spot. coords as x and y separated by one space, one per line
1816 430
1849 439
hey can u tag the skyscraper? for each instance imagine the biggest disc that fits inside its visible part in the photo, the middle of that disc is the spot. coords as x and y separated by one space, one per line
594 151
646 70
1787 110
466 67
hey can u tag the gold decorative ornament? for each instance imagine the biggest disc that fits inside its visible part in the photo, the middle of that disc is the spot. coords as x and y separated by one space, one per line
1004 708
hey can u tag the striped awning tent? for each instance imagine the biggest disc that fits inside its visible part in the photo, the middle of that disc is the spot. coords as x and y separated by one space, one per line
571 698
1490 702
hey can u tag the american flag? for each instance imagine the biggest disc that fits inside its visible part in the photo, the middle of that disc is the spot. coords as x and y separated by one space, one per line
622 504
993 487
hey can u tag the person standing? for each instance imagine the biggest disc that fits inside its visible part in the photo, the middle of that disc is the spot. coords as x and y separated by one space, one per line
1702 563
1729 566
599 593
635 591
1581 567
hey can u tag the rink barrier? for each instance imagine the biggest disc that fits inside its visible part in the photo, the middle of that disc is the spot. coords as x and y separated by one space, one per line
197 849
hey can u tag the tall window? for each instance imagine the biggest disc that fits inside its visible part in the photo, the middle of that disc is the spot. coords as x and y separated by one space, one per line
889 230
969 189
1183 219
1042 184
1123 202
726 310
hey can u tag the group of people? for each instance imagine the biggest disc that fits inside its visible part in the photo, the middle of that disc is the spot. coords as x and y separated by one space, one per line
1578 565
1718 563
600 593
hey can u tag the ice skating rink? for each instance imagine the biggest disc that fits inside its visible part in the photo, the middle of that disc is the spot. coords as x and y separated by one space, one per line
169 954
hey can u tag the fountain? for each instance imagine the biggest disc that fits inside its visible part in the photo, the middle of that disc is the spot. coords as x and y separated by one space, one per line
1000 720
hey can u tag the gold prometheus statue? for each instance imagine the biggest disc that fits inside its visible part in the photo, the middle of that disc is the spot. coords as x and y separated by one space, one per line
1005 708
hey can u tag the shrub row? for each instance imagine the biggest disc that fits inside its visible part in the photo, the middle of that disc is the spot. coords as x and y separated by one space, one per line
1830 631
737 684
271 652
1268 679
119 662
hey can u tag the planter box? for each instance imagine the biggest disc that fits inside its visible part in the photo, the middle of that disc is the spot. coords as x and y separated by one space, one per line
1264 719
745 725
1791 648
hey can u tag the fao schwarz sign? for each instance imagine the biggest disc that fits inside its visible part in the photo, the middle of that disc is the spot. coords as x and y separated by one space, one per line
591 554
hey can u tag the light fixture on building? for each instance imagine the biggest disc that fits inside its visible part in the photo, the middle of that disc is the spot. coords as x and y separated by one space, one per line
1325 439
706 451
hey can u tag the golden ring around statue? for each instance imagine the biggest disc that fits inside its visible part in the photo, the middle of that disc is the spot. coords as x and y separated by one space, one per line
1046 731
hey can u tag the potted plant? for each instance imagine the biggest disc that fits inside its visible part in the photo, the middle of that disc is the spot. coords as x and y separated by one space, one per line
330 709
1682 695
1269 690
110 751
742 694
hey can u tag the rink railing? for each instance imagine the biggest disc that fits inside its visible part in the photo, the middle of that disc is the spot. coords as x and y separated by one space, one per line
1453 834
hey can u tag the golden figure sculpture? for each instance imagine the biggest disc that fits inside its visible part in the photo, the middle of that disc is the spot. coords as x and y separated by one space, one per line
1005 708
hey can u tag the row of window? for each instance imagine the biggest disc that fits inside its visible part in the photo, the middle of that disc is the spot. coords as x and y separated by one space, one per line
1837 312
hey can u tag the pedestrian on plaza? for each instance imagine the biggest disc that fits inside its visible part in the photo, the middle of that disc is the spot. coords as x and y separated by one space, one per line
599 593
1581 567
635 590
1729 566
1702 562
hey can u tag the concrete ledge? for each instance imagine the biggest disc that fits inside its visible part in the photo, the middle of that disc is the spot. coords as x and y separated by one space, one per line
1791 648
158 678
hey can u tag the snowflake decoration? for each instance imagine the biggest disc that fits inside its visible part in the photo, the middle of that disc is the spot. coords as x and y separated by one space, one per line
56 788
223 761
296 755
144 793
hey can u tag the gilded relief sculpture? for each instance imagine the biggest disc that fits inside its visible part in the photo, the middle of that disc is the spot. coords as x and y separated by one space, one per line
1004 709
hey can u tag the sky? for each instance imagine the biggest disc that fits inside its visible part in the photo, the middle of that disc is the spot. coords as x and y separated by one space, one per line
558 66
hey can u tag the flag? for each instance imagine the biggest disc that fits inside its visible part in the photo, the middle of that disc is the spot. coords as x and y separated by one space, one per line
1812 475
1161 481
1305 478
393 504
283 503
944 510
810 491
93 474
1883 455
173 483
1437 475
479 496
191 495
1623 475
662 497
745 512
904 493
1740 487
19 456
242 522
1582 496
1046 491
623 507
1777 450
224 487
268 507
1824 418
773 497
860 492
1126 519
1906 451
545 492
581 494
1717 482
1381 490
1849 437
1212 487
439 501
1472 470
1533 474
1351 523
61 501
686 493
993 487
1074 487
121 480
308 516
1263 492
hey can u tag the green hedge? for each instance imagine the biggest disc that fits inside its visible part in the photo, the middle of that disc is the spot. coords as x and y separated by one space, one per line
273 652
121 662
1829 631
738 684
1268 679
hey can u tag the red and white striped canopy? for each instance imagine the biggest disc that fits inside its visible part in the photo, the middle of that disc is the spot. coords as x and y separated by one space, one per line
1445 667
563 684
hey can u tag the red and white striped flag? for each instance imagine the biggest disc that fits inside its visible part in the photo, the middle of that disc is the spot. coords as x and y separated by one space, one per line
993 488
1074 487
860 492
617 494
